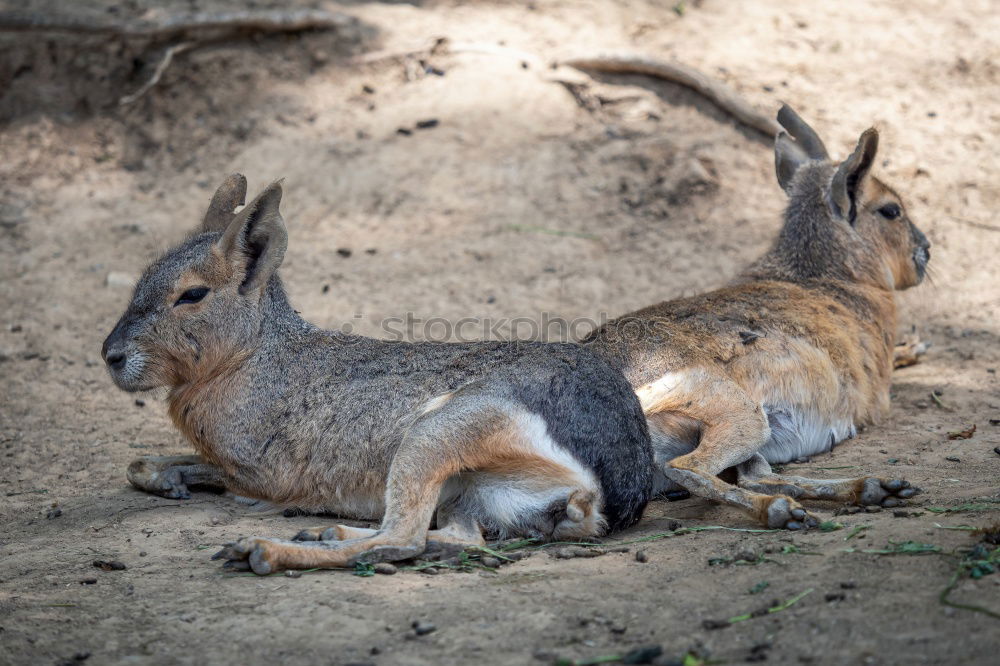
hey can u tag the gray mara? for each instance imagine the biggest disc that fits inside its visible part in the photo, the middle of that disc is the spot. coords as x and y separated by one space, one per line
795 353
507 439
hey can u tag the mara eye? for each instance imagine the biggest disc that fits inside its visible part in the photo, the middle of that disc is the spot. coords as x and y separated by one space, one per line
192 295
890 211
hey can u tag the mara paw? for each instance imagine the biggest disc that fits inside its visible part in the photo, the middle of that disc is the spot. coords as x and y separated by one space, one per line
310 534
255 554
786 513
334 533
166 481
885 492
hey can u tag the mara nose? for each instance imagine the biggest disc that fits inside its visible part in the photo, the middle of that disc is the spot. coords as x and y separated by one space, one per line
111 350
115 360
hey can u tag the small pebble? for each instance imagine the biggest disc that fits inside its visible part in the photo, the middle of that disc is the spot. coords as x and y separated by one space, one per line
110 565
952 459
490 562
292 573
643 655
423 628
54 513
996 450
404 131
427 124
140 403
835 596
385 568
848 585
143 553
873 509
640 556
430 571
88 581
344 252
900 513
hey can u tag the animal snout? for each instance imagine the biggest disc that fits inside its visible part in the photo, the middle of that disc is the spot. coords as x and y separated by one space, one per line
113 349
115 360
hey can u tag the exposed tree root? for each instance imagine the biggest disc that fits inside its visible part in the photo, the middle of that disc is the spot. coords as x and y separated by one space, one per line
168 56
717 92
267 20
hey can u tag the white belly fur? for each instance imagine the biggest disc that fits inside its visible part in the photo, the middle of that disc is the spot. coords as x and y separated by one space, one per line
799 433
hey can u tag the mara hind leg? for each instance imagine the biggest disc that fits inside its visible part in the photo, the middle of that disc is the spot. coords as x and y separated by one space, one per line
452 529
466 437
672 435
755 475
733 429
171 476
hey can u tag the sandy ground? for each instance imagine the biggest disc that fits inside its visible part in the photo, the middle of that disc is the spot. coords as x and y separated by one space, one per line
520 202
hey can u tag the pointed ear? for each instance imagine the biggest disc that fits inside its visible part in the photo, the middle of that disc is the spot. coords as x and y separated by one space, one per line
255 240
231 193
788 157
849 178
803 134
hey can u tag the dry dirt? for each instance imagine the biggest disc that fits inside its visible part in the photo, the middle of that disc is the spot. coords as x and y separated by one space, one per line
524 199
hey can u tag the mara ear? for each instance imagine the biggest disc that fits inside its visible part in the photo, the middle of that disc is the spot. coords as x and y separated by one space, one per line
232 193
849 178
803 134
256 239
788 157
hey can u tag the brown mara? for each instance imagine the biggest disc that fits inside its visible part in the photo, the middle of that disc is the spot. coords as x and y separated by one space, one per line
794 354
506 439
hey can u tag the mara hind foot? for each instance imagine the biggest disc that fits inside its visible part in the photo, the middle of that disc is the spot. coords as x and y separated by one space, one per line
480 467
333 533
908 351
772 510
172 476
756 475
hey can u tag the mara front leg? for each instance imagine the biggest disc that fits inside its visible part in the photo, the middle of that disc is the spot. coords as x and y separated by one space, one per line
172 476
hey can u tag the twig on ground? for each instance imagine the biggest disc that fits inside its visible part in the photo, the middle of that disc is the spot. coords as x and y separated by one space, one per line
168 56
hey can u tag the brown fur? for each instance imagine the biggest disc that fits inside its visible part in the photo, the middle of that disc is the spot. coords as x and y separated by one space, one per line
801 342
524 439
